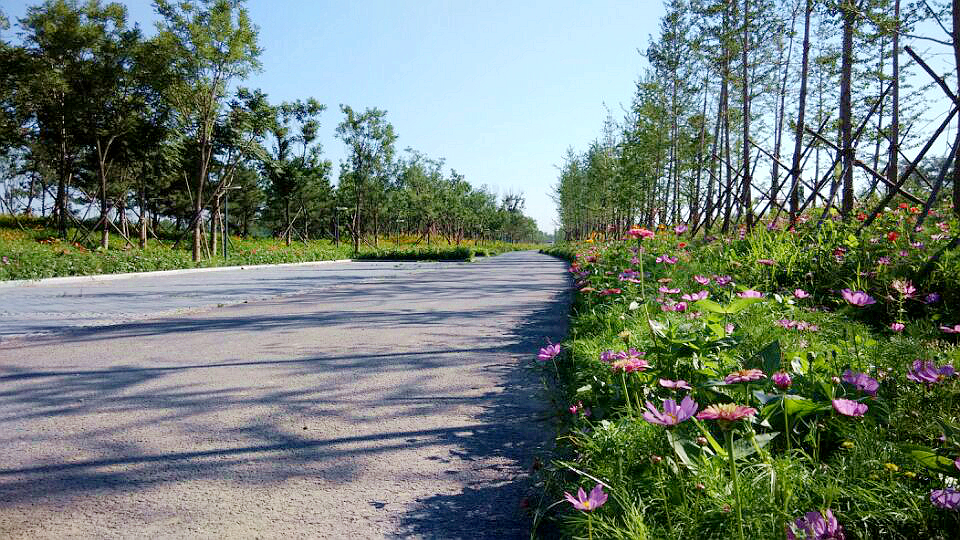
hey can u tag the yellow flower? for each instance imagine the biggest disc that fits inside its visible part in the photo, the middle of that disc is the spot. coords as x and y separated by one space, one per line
847 444
910 474
892 467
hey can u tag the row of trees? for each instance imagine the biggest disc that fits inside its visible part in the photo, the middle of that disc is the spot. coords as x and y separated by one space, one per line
94 114
753 107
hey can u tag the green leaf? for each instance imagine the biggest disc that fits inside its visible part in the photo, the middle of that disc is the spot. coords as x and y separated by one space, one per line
747 446
585 388
740 304
680 447
710 305
771 355
929 459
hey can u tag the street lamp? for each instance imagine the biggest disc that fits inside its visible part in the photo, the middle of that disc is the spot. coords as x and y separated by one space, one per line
337 230
226 217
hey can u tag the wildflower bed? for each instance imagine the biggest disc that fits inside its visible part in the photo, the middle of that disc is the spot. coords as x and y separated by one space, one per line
783 383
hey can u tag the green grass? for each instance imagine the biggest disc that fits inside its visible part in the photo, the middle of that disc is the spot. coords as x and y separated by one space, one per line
34 252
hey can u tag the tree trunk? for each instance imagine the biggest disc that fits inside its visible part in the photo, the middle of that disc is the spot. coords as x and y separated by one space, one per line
747 188
893 164
801 111
846 108
956 56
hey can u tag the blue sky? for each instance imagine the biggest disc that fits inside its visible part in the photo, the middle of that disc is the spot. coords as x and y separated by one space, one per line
500 89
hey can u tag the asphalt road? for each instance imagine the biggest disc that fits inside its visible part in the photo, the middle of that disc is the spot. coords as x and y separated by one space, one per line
362 400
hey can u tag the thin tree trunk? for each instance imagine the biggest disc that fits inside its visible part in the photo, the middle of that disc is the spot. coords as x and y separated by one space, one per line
893 164
956 56
846 106
746 198
801 111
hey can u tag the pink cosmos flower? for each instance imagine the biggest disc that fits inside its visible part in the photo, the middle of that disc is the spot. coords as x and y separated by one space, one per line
722 280
674 385
816 526
726 413
672 413
680 229
929 373
781 379
904 287
849 407
702 280
800 294
694 297
750 293
667 259
587 503
607 292
668 290
729 328
857 298
744 375
883 261
861 381
948 498
629 365
955 329
549 352
640 232
897 326
766 262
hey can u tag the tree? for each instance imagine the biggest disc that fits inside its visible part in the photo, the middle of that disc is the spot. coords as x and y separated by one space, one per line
369 139
211 44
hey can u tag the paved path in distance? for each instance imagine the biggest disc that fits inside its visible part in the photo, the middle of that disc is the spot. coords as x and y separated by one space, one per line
361 400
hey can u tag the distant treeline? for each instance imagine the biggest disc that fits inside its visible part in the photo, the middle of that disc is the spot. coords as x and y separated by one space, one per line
96 117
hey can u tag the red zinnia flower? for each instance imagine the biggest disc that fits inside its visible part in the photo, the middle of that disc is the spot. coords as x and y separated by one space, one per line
892 236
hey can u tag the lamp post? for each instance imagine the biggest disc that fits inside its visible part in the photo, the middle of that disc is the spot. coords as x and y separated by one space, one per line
399 222
226 217
337 230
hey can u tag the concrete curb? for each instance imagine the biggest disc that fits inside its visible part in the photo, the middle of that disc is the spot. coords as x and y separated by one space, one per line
129 275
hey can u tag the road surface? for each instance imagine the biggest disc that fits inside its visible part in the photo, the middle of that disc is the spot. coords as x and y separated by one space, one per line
360 400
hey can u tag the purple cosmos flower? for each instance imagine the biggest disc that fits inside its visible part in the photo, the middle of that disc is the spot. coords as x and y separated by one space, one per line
668 290
667 259
5 260
903 253
672 413
750 293
955 329
816 526
917 245
729 328
929 373
694 297
549 352
766 262
948 499
744 375
904 287
781 379
722 280
667 383
883 261
680 229
587 503
800 294
931 298
861 381
786 323
634 261
849 407
897 326
857 298
702 280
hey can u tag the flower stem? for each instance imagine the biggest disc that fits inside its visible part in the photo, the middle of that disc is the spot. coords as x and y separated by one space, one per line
736 482
626 393
589 526
666 504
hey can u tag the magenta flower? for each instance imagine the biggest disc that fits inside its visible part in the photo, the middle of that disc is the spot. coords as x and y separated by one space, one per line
955 329
680 229
722 280
702 280
744 375
904 287
640 232
667 383
694 297
948 499
781 379
672 413
548 353
848 407
766 262
929 373
931 298
750 293
667 259
883 261
816 526
587 503
667 290
800 294
897 326
857 298
861 381
729 328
